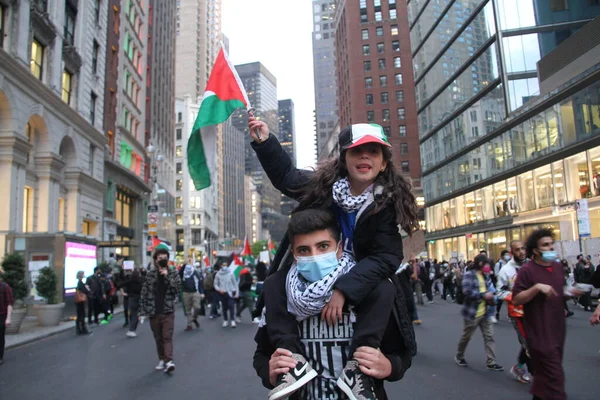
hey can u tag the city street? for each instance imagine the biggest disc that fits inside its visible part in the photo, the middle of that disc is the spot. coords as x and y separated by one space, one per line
216 363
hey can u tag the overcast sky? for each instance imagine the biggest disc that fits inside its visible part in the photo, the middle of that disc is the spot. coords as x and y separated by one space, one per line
278 34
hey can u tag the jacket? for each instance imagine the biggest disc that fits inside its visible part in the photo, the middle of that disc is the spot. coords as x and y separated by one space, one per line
225 282
194 284
377 248
245 280
148 295
472 295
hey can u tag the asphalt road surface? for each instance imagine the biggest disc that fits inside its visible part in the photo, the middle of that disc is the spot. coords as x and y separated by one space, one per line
216 363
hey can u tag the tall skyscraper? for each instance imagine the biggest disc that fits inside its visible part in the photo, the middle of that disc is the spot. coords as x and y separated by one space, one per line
230 145
493 170
261 87
51 141
326 113
198 35
287 137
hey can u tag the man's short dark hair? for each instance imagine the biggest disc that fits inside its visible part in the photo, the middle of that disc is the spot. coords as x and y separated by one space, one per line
504 252
312 220
112 254
96 269
480 261
158 252
483 251
534 238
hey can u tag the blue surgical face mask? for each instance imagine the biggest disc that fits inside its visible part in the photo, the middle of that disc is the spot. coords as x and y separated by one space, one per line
549 256
315 268
507 257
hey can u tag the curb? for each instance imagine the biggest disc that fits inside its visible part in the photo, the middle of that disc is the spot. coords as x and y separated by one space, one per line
41 336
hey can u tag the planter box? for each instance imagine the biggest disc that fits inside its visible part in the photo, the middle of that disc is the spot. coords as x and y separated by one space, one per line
17 317
49 314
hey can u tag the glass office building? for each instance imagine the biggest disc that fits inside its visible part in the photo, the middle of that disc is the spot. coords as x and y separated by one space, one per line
498 158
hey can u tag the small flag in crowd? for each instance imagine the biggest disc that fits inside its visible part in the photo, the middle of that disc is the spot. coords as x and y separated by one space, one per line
224 93
271 247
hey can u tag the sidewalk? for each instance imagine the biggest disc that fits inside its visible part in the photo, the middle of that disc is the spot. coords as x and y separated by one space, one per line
30 331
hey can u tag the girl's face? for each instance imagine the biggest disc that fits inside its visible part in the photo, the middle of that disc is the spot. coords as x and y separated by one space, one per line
364 163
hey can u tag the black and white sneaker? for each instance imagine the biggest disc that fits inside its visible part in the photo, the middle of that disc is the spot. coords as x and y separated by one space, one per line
294 379
495 367
169 367
355 384
460 362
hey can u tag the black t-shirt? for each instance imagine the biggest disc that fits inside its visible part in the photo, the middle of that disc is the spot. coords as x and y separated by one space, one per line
161 290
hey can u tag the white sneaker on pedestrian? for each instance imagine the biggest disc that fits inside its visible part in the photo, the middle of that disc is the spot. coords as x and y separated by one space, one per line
493 320
160 366
233 324
238 320
256 320
131 334
225 324
169 367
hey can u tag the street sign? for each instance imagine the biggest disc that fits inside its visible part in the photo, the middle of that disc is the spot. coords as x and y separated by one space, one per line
152 229
152 218
153 209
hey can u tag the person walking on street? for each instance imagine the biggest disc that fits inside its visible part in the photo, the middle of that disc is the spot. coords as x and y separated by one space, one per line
416 281
226 286
157 302
212 296
245 286
193 292
95 296
504 259
539 288
81 297
6 306
132 289
583 276
476 299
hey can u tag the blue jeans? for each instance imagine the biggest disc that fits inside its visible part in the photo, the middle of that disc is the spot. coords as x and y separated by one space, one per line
228 304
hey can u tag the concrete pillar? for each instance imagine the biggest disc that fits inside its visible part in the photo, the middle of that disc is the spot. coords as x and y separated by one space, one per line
74 221
20 31
13 163
49 168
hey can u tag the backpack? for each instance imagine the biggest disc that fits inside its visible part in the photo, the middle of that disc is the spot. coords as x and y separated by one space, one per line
209 282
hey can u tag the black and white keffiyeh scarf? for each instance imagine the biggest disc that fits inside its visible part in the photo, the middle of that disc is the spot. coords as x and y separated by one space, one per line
345 200
305 299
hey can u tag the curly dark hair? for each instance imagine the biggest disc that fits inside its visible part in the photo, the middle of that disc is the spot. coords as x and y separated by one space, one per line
534 238
318 192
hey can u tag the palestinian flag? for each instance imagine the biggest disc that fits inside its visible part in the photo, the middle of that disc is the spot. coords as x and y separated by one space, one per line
206 261
236 266
157 244
271 247
224 93
247 252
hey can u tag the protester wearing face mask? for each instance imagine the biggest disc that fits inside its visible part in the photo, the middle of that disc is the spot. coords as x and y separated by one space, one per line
540 289
504 259
157 302
319 261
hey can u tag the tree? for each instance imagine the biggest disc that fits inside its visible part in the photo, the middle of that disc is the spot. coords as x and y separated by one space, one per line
258 246
14 275
46 283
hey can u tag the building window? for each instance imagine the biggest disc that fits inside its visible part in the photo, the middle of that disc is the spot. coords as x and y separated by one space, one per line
67 86
179 117
370 116
378 17
381 63
399 96
367 66
386 131
385 115
37 59
95 51
402 130
395 45
383 81
179 220
405 166
394 30
365 34
70 17
179 202
379 31
559 5
366 50
393 14
178 168
369 99
2 24
179 184
384 98
380 48
178 134
368 83
178 151
97 11
91 159
404 149
27 209
93 98
397 62
401 113
61 214
123 209
398 79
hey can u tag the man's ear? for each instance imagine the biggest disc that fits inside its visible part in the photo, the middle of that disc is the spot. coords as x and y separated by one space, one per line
340 249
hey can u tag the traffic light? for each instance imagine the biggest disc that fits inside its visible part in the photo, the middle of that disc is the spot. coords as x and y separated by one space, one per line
214 253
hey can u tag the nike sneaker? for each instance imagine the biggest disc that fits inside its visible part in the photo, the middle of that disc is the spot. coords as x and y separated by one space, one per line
355 384
293 380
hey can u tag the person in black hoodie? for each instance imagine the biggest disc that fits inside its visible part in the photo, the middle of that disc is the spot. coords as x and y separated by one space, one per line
132 289
246 299
81 329
369 219
95 296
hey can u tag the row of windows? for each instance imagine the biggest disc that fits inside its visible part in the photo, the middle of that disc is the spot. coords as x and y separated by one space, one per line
385 114
131 124
366 49
384 97
381 64
383 81
378 13
131 88
379 32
